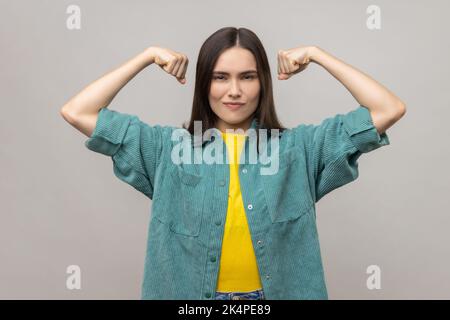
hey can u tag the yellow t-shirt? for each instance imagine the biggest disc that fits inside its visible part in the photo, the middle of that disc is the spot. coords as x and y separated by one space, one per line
238 269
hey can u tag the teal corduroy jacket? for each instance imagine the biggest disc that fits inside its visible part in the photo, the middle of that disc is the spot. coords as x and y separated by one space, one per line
189 201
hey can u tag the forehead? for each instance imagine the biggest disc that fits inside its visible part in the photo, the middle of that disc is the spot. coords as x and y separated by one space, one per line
235 60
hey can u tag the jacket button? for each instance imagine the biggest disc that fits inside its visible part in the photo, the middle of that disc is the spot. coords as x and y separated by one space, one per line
259 242
218 223
208 295
250 207
213 259
244 170
222 183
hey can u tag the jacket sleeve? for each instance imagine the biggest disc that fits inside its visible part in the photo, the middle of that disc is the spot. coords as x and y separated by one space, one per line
134 147
334 146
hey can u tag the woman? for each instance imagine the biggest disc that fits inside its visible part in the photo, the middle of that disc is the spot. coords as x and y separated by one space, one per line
228 231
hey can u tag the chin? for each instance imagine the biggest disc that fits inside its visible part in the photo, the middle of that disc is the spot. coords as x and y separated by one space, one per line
234 120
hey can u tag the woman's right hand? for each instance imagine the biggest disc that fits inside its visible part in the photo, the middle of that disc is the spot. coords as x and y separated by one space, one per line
170 61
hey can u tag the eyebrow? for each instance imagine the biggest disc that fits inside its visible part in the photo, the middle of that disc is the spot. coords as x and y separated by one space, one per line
226 73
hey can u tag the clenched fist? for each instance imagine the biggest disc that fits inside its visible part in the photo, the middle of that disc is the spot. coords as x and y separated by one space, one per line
293 61
170 61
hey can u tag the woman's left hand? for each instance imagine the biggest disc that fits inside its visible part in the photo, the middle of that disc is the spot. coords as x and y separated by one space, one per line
293 61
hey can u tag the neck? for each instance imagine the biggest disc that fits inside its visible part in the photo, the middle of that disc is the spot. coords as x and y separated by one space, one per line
245 125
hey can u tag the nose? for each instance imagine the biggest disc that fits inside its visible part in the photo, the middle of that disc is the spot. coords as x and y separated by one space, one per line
235 88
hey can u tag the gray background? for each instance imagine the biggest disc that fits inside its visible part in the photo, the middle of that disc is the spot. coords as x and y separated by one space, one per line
60 204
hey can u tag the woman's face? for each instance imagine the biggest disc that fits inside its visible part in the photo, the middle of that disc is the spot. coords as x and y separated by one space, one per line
234 79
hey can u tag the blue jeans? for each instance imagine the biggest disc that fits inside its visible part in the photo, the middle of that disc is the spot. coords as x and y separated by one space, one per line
252 295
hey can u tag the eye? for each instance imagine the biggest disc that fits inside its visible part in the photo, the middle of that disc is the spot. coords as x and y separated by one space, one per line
221 77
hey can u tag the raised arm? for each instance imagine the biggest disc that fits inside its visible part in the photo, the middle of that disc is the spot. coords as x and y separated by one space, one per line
81 111
385 108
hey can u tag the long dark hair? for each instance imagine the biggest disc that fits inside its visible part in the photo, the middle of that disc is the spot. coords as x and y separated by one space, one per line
210 51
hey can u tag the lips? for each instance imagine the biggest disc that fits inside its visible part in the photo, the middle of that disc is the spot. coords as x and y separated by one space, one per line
234 105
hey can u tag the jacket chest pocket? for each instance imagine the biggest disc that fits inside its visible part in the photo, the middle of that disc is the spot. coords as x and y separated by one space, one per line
183 202
287 192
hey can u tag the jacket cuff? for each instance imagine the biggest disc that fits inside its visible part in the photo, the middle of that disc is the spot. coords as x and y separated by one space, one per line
109 132
363 134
